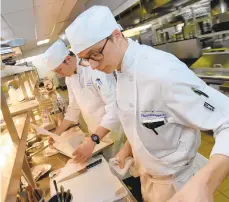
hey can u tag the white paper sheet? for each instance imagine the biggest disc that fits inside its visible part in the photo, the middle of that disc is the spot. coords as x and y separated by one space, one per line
43 131
70 140
67 143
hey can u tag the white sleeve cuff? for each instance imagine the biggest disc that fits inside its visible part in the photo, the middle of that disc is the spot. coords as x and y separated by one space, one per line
222 143
72 116
115 126
69 118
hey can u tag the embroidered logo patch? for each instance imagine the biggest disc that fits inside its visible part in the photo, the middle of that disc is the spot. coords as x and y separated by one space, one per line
99 83
208 106
89 83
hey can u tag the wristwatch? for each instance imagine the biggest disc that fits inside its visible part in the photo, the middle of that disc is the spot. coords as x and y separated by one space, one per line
95 138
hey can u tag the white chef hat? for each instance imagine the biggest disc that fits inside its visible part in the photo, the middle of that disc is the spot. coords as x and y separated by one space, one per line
55 54
92 26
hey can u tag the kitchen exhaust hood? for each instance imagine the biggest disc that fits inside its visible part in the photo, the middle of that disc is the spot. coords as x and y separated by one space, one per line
157 6
148 10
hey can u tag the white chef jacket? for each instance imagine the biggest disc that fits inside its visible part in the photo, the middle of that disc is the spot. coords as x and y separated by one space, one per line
154 85
93 94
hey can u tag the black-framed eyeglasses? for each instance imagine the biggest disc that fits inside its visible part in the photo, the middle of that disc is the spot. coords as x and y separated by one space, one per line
94 56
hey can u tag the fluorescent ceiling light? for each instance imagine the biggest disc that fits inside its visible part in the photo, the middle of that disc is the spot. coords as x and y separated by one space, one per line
142 27
42 42
223 7
136 30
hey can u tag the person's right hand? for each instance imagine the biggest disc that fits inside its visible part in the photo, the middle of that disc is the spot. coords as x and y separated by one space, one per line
84 151
51 141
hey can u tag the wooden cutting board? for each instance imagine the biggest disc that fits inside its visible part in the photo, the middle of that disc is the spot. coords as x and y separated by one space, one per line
98 184
69 140
71 144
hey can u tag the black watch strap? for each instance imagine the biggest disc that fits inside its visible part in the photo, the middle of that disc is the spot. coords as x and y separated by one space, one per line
95 138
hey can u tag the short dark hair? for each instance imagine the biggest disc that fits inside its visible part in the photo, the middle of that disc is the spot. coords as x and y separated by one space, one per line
70 54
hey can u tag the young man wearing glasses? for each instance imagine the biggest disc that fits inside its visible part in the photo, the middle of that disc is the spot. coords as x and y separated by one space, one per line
91 93
162 106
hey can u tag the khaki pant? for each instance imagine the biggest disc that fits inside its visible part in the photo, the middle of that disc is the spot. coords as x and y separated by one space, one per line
158 190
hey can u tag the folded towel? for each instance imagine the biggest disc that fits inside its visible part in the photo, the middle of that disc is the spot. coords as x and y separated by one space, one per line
117 171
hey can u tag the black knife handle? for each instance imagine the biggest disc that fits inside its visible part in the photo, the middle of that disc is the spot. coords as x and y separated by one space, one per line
94 164
55 185
56 188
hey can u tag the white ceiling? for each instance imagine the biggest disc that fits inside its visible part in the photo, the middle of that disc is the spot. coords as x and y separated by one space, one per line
36 20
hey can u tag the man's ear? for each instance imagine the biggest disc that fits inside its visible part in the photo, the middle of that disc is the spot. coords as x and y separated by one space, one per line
68 59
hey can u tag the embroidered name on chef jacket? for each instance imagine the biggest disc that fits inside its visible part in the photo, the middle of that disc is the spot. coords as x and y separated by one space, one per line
89 83
153 114
99 83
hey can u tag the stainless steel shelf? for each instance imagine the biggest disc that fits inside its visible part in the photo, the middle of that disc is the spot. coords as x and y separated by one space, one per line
223 78
216 53
213 34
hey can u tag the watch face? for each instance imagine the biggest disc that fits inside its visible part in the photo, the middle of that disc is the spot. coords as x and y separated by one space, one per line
95 138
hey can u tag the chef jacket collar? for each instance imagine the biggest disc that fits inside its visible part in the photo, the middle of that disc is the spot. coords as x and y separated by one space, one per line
129 56
79 69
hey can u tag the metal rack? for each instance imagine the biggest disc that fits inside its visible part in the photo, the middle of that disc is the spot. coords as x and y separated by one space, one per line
15 126
31 77
13 159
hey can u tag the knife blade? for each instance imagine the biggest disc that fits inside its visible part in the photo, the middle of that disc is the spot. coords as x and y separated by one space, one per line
83 170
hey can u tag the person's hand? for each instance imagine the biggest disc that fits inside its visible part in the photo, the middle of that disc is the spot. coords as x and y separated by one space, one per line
121 156
202 186
84 151
195 190
51 141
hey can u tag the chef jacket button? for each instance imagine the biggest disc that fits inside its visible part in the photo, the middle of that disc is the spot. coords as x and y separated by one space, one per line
130 78
131 105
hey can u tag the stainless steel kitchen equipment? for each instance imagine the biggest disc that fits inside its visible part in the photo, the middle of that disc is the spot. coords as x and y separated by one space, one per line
213 66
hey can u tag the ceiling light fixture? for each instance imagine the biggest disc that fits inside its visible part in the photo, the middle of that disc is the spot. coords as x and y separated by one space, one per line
136 30
43 42
142 27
